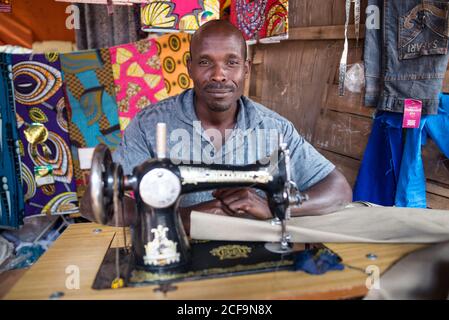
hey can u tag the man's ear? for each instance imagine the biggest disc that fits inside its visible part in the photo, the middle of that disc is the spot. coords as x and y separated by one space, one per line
189 66
248 65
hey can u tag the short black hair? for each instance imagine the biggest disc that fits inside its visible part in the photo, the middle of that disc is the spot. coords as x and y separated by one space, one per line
214 25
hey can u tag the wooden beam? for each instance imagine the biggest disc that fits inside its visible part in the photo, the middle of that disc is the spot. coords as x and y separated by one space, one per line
324 33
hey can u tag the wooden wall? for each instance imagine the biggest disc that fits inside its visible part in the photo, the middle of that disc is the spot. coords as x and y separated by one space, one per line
298 78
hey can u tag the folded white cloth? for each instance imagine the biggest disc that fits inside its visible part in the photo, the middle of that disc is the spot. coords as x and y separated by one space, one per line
358 224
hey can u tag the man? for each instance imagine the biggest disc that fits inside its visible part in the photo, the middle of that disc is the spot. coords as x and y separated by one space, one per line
223 119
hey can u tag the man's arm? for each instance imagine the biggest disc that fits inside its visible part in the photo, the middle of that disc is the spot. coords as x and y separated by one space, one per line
329 195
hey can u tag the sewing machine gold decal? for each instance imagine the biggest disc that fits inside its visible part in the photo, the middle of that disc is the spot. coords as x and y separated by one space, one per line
161 251
231 252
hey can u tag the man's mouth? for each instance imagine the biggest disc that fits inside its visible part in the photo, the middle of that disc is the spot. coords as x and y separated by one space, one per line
219 92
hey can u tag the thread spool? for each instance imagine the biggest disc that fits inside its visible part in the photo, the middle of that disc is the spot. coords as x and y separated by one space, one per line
161 140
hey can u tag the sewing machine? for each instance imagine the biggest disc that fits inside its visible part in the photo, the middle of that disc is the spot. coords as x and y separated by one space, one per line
159 241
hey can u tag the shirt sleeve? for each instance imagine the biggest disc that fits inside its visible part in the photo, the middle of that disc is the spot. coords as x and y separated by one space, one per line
308 166
133 149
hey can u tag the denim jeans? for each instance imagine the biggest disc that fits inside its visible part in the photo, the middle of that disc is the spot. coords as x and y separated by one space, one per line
407 57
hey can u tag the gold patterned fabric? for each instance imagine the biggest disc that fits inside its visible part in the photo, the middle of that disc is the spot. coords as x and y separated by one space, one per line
174 52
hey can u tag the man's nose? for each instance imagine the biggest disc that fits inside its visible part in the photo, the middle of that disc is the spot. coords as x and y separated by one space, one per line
219 74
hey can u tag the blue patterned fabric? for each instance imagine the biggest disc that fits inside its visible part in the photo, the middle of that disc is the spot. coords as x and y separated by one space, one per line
11 195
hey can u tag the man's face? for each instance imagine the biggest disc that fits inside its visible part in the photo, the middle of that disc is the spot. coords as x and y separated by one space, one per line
218 70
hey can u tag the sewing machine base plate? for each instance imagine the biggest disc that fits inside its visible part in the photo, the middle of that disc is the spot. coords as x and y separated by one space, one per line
210 259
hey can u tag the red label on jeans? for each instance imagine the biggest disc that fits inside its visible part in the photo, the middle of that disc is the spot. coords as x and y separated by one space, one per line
412 113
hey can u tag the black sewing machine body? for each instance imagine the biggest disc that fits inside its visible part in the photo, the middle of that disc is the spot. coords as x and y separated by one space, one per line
151 176
159 241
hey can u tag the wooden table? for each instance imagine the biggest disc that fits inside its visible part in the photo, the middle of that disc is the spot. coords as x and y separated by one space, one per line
81 246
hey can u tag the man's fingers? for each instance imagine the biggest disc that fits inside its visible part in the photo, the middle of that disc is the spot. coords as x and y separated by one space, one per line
240 206
240 196
224 193
227 210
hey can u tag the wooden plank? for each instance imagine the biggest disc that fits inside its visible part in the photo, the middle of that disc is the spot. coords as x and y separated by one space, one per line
435 201
348 166
306 13
434 188
248 79
8 279
350 102
79 246
436 165
342 133
292 80
336 32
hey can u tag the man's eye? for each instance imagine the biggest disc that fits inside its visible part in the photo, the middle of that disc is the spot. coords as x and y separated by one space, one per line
233 62
204 62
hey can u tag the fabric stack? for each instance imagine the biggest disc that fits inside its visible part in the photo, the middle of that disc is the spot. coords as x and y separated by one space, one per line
55 107
259 20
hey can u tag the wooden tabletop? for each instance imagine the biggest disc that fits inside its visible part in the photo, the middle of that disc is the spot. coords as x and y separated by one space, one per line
81 246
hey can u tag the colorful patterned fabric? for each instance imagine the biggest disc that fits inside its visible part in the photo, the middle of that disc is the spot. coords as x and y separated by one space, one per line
261 19
11 193
138 78
184 15
174 52
43 130
225 9
91 94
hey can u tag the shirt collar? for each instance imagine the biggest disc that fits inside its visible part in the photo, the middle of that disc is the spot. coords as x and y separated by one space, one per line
247 118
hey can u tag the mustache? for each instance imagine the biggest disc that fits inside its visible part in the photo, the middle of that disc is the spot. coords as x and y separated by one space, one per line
219 86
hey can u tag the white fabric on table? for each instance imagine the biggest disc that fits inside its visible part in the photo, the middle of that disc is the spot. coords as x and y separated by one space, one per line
358 224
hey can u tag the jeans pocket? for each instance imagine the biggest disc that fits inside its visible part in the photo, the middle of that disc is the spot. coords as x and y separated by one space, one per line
424 30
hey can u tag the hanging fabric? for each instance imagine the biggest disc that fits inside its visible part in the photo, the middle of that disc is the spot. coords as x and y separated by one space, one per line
91 95
174 52
378 175
138 77
178 15
11 193
225 9
261 20
99 29
47 164
411 191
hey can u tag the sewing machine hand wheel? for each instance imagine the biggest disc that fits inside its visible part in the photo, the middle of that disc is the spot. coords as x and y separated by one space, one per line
102 184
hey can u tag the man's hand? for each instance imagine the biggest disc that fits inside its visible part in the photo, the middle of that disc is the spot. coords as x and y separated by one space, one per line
243 202
213 207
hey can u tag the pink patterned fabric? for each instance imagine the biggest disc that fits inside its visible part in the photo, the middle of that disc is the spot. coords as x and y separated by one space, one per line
138 78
